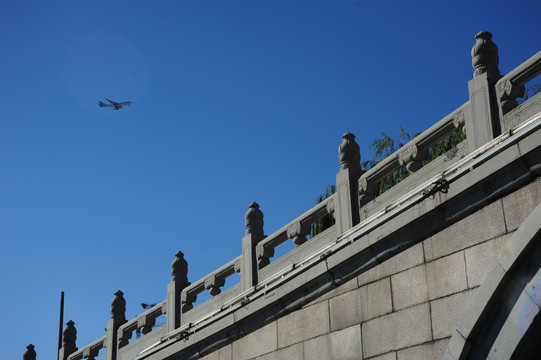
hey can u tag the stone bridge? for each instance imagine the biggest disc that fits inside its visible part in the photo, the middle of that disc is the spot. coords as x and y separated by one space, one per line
444 265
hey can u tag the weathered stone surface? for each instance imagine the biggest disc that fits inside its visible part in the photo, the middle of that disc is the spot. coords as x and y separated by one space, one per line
376 299
339 345
409 287
405 260
343 288
346 344
429 351
259 342
394 331
318 348
467 232
303 324
446 276
345 310
389 356
520 204
480 258
447 312
224 353
293 352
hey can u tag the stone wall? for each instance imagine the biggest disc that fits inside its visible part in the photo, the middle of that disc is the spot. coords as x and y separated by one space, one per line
405 308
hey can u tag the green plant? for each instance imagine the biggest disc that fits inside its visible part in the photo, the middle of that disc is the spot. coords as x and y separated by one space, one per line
326 222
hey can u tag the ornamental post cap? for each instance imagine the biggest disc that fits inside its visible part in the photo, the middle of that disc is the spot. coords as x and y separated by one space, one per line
254 219
349 152
485 56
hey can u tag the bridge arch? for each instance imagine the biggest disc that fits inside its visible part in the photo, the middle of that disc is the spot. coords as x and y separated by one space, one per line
504 319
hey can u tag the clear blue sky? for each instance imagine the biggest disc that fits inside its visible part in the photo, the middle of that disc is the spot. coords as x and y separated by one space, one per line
233 102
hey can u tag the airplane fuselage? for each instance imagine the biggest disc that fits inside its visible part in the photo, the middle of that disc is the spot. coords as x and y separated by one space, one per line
115 105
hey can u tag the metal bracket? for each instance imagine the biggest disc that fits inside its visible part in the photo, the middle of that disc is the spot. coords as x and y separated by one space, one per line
441 185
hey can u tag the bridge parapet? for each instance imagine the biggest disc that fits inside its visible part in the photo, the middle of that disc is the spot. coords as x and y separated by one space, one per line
355 207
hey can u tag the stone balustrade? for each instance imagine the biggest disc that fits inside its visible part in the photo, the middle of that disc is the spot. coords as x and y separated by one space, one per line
492 108
298 230
511 86
89 352
142 324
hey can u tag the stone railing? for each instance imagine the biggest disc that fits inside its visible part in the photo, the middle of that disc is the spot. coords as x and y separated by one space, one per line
213 284
89 352
492 102
411 156
511 86
142 324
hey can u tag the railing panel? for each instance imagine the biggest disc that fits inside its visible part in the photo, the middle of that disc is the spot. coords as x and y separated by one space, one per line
511 86
298 230
299 253
131 350
522 112
89 352
410 155
211 283
142 324
208 307
414 180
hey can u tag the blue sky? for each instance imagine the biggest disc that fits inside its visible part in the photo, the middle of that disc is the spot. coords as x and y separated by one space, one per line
233 102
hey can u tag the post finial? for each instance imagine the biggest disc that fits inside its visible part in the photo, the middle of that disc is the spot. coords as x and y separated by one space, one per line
69 339
254 220
118 307
179 268
29 354
349 152
485 56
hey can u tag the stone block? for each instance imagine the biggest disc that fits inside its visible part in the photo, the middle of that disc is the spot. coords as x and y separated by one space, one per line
293 352
224 353
259 342
518 205
476 228
303 324
481 258
446 276
409 287
339 345
376 299
345 310
318 348
394 331
344 288
400 262
455 346
429 351
447 312
389 356
346 344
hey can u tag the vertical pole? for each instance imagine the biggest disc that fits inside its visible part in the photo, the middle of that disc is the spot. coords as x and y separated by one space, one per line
61 322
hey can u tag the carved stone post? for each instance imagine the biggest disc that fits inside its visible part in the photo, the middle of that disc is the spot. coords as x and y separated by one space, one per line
485 123
179 281
347 206
29 354
118 318
254 234
69 337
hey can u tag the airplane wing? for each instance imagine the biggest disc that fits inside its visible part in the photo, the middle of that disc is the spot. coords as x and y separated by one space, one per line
101 104
125 103
111 101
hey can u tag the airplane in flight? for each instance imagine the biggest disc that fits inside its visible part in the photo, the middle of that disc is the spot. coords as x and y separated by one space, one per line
115 105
